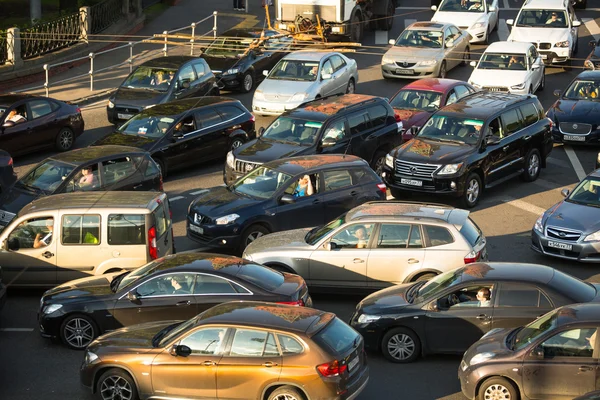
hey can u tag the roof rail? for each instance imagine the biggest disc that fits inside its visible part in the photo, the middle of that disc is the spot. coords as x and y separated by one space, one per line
320 98
421 203
374 99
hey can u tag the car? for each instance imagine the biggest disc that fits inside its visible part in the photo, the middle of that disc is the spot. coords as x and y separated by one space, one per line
474 144
478 17
415 102
238 56
158 81
450 312
8 175
574 113
269 199
513 67
593 59
570 229
2 291
183 132
108 168
45 123
178 286
553 357
426 49
400 242
551 25
357 124
244 350
303 76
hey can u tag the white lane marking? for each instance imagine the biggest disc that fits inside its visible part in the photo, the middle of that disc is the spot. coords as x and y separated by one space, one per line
177 198
198 192
592 26
381 37
504 9
523 205
503 31
16 329
575 161
408 22
502 4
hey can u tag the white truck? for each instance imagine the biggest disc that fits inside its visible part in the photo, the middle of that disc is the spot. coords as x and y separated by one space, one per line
349 18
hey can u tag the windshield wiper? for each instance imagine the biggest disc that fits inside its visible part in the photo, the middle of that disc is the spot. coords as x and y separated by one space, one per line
114 284
163 332
451 141
411 294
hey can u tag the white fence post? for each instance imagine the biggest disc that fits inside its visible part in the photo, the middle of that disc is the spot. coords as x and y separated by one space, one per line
165 49
192 39
84 21
13 47
46 68
91 72
215 25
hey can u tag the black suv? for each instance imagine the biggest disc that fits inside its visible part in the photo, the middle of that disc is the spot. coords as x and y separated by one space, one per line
356 124
482 140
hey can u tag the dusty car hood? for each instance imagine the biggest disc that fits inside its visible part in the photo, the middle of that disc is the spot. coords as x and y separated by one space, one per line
286 88
576 111
93 286
494 343
132 338
138 97
279 242
263 150
15 198
524 34
220 201
495 77
121 139
413 54
574 216
459 18
385 300
429 151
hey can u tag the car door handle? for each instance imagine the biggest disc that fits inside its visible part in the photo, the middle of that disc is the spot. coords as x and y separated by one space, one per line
353 193
138 186
209 363
358 261
48 254
482 316
316 201
505 148
183 303
527 137
270 364
584 368
413 261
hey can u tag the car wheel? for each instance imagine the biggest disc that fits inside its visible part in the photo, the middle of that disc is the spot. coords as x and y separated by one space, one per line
473 190
351 88
356 29
532 166
425 277
237 142
378 162
251 234
498 388
397 194
387 21
247 82
65 139
161 166
77 331
466 57
116 384
286 393
442 74
543 82
401 345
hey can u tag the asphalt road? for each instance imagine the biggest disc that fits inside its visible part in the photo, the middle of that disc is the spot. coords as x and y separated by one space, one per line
30 366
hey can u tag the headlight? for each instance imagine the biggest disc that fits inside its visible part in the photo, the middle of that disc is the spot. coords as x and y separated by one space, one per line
481 357
520 86
90 357
227 219
588 64
299 97
450 169
111 104
367 319
232 71
230 159
538 224
565 43
387 60
594 237
52 308
479 25
258 95
147 107
428 62
389 161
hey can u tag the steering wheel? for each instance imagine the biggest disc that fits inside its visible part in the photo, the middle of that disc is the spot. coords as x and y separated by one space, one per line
453 300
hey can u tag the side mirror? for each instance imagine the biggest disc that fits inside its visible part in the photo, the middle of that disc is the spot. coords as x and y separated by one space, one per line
450 43
538 352
132 296
473 64
266 72
492 140
331 246
535 67
261 130
510 22
392 42
576 24
433 8
592 43
325 77
433 306
287 199
185 85
492 9
565 192
181 350
557 93
8 124
177 135
328 142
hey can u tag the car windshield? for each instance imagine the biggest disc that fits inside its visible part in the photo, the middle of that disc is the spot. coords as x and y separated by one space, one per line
138 274
293 131
295 70
149 124
503 61
421 100
319 233
443 128
583 89
3 110
229 46
150 78
420 38
542 18
534 330
264 278
463 6
586 193
261 183
47 176
438 284
172 331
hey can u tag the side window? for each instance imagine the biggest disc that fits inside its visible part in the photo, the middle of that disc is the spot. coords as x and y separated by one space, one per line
461 91
289 345
337 179
205 341
393 236
415 241
454 32
305 186
39 108
356 236
495 128
336 131
166 285
185 126
151 168
530 114
126 229
452 97
361 176
572 343
118 169
437 235
208 284
248 343
378 115
80 229
186 76
470 296
207 118
337 62
327 68
229 112
358 123
448 34
32 233
511 121
514 295
85 180
20 114
200 69
161 221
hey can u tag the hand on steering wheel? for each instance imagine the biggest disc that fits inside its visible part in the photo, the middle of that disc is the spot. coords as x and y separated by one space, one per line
453 300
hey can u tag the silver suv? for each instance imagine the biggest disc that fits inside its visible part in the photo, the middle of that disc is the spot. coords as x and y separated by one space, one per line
375 245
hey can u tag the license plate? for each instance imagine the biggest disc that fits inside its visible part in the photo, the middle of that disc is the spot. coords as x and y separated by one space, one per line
544 56
574 138
400 71
352 363
558 245
196 229
411 182
124 116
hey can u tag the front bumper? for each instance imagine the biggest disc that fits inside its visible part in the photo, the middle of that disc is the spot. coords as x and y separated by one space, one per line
477 35
582 252
265 107
370 332
416 72
229 82
451 185
559 137
214 236
468 382
49 325
119 114
555 55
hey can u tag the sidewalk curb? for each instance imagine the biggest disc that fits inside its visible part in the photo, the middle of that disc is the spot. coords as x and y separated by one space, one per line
93 98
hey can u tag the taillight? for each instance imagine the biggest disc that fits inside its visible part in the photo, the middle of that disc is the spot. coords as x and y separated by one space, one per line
252 118
472 257
382 188
397 116
160 184
551 123
331 369
10 161
152 242
299 303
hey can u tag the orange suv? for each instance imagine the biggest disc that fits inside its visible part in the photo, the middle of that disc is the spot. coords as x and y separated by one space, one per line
235 350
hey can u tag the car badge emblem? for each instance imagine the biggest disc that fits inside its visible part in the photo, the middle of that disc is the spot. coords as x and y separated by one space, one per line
413 170
575 126
249 167
562 234
405 64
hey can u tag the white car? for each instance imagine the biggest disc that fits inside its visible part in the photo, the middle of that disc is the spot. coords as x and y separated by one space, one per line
478 17
513 67
551 25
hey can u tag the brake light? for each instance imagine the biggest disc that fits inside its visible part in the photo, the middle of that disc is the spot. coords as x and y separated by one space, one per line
78 110
331 369
152 242
382 188
472 257
10 161
551 123
397 116
299 303
252 118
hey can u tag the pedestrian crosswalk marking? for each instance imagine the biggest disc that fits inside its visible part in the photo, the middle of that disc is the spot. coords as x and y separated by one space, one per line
503 31
592 26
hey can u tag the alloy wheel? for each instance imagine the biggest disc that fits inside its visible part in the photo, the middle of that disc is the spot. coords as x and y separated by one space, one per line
534 165
497 392
236 143
253 236
443 70
116 388
401 346
285 397
79 332
379 165
473 191
248 82
65 139
350 89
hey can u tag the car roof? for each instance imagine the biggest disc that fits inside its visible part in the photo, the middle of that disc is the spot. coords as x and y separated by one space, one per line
595 173
390 209
80 156
180 106
94 200
483 104
429 25
581 313
546 4
265 315
434 84
506 271
309 55
202 262
592 74
299 164
319 110
10 98
508 47
168 62
247 32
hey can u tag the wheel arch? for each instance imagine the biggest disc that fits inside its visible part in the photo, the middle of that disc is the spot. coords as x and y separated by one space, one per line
238 133
270 388
487 378
416 274
105 368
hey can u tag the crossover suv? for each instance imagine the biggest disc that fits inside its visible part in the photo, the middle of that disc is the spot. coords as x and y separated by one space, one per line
478 142
357 124
375 245
551 25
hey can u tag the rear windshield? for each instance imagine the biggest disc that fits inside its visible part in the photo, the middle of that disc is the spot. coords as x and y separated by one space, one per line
338 336
264 278
471 232
576 289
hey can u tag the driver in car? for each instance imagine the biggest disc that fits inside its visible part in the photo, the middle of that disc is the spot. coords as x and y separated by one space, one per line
43 240
88 179
483 297
361 234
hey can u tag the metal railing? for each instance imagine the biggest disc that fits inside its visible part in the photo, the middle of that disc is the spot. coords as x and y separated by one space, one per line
192 37
3 48
49 36
103 15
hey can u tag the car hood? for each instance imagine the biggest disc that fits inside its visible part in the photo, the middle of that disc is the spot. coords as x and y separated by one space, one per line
220 201
15 198
279 242
286 88
570 215
92 286
263 150
131 339
576 111
386 300
494 77
138 97
459 18
532 35
220 63
121 139
494 343
413 54
412 117
429 151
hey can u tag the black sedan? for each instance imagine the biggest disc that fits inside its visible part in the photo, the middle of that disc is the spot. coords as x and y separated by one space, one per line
7 172
575 113
239 56
184 132
175 287
31 123
159 81
453 310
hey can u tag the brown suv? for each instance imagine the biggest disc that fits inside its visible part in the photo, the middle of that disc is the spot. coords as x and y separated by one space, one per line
236 350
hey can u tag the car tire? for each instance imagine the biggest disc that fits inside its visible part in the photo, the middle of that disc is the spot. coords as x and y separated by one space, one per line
247 82
401 345
466 57
356 28
287 393
77 331
351 87
378 162
116 384
473 189
65 139
425 277
250 234
386 22
161 166
533 163
236 142
443 71
497 388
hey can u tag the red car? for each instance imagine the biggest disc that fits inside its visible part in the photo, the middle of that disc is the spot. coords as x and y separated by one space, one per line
415 102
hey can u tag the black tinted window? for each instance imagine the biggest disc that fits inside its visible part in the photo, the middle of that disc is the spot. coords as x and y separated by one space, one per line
511 121
415 241
337 179
461 91
39 108
208 284
512 295
437 235
378 115
470 231
126 229
263 277
530 114
393 236
207 118
151 168
230 112
337 336
363 175
358 123
289 345
248 343
337 62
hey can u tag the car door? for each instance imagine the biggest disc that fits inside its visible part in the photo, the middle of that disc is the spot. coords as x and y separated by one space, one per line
194 376
574 29
211 290
335 138
252 357
397 252
461 42
19 139
122 173
492 15
341 73
452 53
329 84
339 193
44 115
514 142
306 210
517 304
537 67
212 135
342 260
160 219
203 85
79 236
185 82
497 158
563 365
362 135
178 143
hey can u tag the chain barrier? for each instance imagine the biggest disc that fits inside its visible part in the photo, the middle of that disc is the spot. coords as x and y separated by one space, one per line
103 15
49 36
